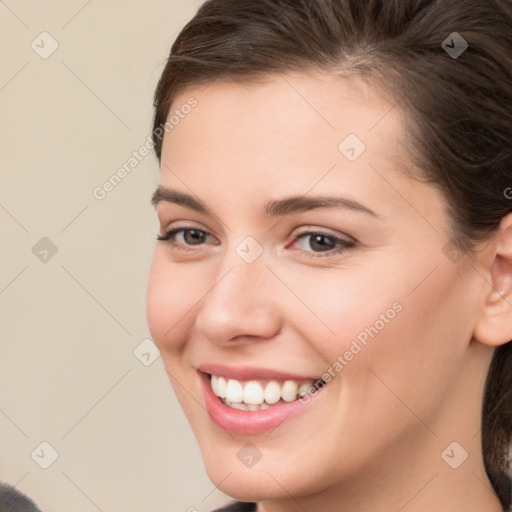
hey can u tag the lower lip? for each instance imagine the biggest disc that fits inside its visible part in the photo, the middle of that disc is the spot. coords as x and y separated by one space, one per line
248 422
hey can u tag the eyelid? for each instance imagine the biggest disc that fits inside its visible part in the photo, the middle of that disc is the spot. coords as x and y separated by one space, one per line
184 225
312 230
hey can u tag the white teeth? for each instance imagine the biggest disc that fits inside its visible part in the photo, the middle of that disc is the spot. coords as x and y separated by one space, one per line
272 392
252 396
253 393
221 387
234 391
289 390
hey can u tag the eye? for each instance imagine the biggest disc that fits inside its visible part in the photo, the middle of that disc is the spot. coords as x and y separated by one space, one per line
316 243
185 236
313 243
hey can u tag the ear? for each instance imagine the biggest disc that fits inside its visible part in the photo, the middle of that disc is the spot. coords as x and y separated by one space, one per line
494 327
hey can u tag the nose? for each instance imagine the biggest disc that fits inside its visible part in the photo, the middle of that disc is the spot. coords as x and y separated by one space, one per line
241 306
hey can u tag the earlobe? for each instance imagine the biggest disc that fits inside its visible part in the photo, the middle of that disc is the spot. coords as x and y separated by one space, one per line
494 327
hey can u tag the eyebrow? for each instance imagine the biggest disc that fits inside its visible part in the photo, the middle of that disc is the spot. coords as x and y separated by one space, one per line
273 208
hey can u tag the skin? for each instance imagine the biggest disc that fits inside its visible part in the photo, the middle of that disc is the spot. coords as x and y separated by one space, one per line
372 438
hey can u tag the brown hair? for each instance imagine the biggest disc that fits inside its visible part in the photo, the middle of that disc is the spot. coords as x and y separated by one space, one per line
459 108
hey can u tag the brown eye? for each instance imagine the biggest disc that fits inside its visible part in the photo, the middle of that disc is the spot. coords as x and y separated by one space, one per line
194 236
321 242
185 236
314 244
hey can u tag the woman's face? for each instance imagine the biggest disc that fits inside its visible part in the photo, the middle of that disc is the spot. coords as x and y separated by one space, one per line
303 252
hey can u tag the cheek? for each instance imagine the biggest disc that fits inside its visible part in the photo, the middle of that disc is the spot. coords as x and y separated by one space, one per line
338 307
415 359
381 324
171 295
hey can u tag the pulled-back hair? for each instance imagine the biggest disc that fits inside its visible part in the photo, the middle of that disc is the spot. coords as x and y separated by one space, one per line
458 108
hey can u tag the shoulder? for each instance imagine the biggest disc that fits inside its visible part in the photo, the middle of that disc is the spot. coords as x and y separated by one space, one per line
12 500
238 506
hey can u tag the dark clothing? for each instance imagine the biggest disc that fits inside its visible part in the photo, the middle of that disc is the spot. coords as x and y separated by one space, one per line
238 506
12 500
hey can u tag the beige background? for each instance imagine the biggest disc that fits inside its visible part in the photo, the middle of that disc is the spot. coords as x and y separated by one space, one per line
70 323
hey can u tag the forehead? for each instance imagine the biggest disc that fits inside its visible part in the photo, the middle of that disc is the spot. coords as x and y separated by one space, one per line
284 120
292 127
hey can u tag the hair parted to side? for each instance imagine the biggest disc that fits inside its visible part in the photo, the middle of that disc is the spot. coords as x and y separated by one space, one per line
458 110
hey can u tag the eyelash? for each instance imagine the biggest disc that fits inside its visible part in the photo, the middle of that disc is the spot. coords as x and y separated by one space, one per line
343 245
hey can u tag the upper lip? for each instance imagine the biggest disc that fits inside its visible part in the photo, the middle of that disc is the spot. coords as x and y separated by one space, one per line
251 373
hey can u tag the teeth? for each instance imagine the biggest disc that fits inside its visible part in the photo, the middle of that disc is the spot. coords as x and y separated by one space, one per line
272 392
253 393
221 387
252 396
235 405
234 391
289 390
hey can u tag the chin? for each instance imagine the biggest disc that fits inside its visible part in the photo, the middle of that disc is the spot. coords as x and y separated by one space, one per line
246 484
276 475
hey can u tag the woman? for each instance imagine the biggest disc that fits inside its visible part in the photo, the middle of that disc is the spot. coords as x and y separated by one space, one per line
331 289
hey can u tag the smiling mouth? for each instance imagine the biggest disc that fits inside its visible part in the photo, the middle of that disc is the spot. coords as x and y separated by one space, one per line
258 395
